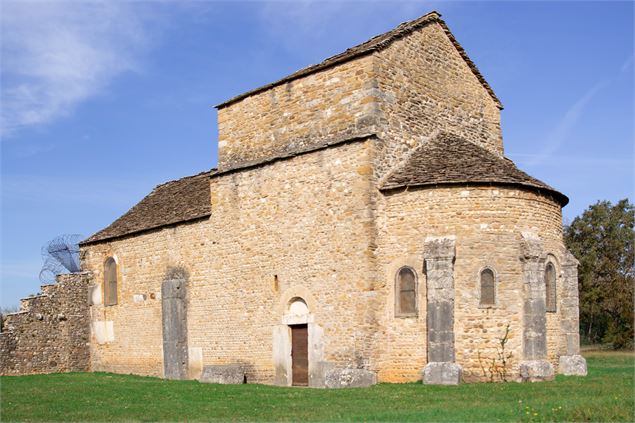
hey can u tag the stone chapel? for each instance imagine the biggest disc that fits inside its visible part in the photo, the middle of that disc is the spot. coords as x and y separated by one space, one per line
363 225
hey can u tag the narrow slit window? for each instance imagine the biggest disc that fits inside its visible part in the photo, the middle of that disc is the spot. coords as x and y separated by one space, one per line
550 287
110 282
406 292
488 288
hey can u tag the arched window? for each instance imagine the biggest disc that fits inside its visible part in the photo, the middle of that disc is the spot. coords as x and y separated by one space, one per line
550 287
488 288
110 282
406 292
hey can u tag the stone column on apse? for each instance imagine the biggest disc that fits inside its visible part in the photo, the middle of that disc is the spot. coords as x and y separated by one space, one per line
439 254
571 363
534 366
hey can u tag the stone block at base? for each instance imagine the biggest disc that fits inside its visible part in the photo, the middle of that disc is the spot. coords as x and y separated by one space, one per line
226 374
349 378
536 371
572 365
441 373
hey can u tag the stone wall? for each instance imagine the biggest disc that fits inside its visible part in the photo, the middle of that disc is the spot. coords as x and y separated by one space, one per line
127 337
405 93
338 102
315 227
487 225
50 333
301 227
426 86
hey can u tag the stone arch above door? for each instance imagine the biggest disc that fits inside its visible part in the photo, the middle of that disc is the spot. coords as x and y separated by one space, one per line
288 297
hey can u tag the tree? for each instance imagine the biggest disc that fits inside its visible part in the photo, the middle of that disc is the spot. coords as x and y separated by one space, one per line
602 240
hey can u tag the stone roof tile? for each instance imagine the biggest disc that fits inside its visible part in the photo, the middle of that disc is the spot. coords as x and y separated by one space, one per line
172 202
448 159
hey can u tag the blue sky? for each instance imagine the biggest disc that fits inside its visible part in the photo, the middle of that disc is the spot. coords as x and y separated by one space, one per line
102 101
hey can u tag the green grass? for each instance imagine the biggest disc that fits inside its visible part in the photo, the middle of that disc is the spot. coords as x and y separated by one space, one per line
606 394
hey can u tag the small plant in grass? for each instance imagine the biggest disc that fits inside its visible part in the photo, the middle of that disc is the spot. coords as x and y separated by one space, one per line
497 367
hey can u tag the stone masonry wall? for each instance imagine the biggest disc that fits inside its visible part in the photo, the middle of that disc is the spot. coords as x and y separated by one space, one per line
487 224
127 337
405 93
338 102
297 227
313 226
425 87
50 333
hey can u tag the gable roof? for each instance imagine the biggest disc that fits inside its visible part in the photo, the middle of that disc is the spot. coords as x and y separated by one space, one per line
173 202
449 160
376 43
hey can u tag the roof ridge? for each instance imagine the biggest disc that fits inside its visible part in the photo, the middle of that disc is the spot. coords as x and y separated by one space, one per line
172 202
183 177
321 145
376 43
343 56
406 158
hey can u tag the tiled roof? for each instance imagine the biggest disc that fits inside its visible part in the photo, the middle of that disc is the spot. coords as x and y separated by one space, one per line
448 159
376 43
173 202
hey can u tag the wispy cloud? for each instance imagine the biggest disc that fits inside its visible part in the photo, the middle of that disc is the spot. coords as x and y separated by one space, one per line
559 135
56 55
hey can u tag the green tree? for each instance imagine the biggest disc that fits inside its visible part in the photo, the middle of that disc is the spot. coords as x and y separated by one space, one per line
602 240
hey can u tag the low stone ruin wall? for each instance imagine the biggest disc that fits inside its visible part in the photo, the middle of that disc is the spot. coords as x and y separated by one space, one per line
51 331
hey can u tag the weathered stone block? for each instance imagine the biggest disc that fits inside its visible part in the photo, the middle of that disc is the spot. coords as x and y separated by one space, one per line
440 314
569 326
349 378
536 371
224 374
441 247
174 317
441 351
531 246
572 365
94 294
441 373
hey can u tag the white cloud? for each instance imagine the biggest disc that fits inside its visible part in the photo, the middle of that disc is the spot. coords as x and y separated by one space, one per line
56 55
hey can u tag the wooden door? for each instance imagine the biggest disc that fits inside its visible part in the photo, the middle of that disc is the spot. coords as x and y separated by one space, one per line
300 355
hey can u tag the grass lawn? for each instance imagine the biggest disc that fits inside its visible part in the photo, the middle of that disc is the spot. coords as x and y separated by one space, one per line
606 394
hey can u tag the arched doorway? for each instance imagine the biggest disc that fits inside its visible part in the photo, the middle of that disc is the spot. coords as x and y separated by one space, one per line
298 350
